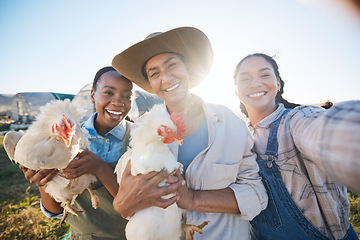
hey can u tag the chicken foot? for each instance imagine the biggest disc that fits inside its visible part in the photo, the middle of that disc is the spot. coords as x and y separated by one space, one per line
69 209
190 229
94 198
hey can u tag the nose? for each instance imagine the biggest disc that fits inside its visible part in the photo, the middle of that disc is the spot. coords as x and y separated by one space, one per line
118 101
166 77
256 82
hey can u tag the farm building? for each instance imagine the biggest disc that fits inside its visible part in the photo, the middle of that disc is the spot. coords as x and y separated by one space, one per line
143 102
5 104
25 105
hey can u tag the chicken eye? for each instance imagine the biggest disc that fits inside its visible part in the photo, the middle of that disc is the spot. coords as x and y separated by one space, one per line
169 130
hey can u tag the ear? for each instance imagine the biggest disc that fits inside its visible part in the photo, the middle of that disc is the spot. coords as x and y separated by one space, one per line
92 96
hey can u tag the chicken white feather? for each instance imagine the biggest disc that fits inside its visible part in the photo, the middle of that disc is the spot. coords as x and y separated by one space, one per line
149 153
45 146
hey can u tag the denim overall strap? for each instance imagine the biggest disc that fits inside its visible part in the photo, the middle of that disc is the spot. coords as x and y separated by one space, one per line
282 219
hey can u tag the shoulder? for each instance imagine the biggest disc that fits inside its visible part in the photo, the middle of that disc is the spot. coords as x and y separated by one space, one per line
223 112
303 117
304 112
225 118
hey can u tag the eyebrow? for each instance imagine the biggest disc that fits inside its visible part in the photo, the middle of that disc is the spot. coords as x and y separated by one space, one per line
114 88
166 61
262 69
109 87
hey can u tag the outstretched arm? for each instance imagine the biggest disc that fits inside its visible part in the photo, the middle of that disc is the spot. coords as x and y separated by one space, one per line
330 139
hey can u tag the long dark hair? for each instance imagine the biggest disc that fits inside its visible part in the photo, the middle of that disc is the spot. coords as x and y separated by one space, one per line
278 98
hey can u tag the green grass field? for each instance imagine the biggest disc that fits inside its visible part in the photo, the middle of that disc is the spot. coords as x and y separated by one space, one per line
21 218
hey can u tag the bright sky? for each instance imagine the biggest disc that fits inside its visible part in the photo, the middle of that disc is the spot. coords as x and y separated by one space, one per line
58 46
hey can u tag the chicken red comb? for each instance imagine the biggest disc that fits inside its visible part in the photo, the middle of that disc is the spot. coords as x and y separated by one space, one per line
179 123
67 122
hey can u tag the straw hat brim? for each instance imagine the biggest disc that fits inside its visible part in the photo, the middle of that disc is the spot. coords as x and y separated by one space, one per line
189 42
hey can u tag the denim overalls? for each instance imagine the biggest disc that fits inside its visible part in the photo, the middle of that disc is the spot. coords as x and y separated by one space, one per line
282 219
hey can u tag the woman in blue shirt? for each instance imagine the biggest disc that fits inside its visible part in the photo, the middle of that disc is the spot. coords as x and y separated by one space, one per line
108 134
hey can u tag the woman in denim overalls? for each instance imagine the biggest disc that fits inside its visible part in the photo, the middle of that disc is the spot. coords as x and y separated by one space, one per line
299 153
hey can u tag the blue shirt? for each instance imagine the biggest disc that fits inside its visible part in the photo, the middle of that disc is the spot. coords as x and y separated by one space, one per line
108 148
193 145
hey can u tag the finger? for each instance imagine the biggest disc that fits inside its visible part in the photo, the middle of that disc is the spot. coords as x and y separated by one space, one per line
69 173
81 152
172 179
154 178
172 188
74 163
127 170
22 167
29 173
76 174
35 176
48 177
178 174
164 203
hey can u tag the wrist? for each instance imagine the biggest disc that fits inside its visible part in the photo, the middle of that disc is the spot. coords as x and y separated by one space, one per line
193 200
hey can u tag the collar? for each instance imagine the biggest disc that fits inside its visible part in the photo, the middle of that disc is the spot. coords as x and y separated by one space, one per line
118 131
265 123
208 111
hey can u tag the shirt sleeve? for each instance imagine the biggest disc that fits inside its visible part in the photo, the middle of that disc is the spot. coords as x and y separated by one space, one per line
331 139
249 190
50 214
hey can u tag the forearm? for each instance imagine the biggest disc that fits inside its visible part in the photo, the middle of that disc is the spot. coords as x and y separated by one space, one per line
49 203
331 141
106 175
214 201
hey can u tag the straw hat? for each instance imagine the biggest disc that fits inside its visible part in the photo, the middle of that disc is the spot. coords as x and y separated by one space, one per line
189 42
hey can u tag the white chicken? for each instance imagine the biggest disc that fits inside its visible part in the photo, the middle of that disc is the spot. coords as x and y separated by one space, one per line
149 152
52 141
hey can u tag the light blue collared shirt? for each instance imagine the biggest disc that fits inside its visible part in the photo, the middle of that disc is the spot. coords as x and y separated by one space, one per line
109 147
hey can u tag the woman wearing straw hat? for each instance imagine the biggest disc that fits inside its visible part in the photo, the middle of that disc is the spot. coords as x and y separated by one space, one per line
222 180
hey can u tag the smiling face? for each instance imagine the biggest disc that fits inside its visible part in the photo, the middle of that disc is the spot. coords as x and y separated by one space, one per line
112 97
168 77
257 85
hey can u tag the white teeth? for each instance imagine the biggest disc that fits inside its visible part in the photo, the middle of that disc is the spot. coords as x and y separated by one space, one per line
113 112
171 88
257 94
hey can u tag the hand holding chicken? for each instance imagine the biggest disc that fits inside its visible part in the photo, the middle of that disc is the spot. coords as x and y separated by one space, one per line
52 142
150 153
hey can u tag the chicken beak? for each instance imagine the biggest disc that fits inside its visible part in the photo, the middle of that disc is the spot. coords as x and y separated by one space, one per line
67 141
179 141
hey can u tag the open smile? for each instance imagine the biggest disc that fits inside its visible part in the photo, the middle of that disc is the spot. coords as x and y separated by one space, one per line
254 95
172 88
114 112
115 115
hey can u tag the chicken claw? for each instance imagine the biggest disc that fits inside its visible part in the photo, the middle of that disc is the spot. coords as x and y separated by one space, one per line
191 229
69 209
94 198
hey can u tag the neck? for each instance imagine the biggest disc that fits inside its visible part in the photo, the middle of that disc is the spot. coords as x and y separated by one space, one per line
101 130
183 108
191 113
257 114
